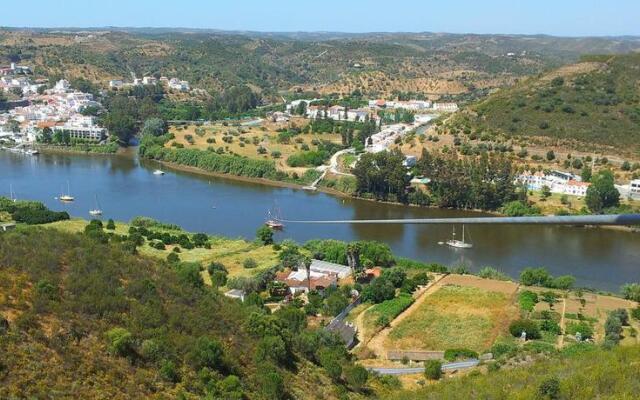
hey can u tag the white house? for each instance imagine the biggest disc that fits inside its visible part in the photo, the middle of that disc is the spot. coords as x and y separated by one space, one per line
575 188
446 107
116 84
62 86
634 188
82 127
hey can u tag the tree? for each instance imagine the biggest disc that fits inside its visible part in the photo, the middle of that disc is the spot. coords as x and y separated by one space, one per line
378 291
356 376
271 348
120 342
264 234
525 325
433 369
154 126
549 389
546 192
586 174
189 273
631 291
111 225
535 277
120 120
626 166
602 193
207 352
551 155
270 382
335 303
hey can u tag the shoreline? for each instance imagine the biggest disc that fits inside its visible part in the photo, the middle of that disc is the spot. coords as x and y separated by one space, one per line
67 150
338 194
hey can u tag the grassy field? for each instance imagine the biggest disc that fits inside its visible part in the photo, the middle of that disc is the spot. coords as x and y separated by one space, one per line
230 252
454 317
246 140
388 309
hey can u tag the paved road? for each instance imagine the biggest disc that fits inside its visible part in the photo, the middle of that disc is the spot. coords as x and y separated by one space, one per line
418 370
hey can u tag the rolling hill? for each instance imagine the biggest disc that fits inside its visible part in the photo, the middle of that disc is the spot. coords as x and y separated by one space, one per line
596 101
421 62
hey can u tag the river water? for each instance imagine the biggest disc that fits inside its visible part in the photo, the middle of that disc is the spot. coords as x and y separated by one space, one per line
126 187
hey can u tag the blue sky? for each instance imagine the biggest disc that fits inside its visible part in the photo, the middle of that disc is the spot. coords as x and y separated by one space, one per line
554 17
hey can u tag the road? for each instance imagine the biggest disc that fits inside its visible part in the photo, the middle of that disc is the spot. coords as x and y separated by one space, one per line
418 370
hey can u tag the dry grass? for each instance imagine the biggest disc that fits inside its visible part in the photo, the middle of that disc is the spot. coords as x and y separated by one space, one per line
265 135
455 317
230 252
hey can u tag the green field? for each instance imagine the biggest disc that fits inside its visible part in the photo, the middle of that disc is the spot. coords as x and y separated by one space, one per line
454 317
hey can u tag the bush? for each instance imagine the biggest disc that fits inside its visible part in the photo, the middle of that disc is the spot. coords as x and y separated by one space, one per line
120 342
433 369
585 329
535 277
631 291
527 300
459 354
111 225
635 313
525 325
249 263
549 389
492 273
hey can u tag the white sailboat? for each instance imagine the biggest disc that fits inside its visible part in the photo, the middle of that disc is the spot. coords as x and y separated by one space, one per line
158 171
97 211
460 244
12 195
67 197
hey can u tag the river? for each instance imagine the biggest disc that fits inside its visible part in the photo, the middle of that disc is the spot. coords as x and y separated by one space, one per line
126 187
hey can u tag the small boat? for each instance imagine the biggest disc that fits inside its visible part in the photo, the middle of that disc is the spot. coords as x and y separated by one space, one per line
97 211
66 197
158 172
12 195
274 223
310 188
460 244
31 152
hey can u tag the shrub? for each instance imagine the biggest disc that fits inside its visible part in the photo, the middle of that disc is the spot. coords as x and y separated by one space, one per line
111 225
433 369
492 273
631 291
249 263
635 313
120 342
585 329
525 325
457 354
527 300
549 389
535 277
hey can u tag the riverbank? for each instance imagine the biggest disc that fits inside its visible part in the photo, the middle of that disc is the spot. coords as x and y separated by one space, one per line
102 150
343 195
260 181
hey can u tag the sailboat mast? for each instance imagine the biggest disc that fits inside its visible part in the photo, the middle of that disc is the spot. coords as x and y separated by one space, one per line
463 233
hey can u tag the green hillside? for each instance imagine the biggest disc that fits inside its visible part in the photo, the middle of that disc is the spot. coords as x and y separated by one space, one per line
581 373
595 101
82 318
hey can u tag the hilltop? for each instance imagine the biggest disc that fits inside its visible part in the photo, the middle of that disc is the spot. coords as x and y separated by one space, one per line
593 102
427 63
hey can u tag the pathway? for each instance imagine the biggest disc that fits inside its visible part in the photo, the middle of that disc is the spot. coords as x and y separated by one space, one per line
418 370
562 323
332 167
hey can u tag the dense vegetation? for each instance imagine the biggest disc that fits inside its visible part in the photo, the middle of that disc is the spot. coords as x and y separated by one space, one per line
83 316
478 183
599 105
30 212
